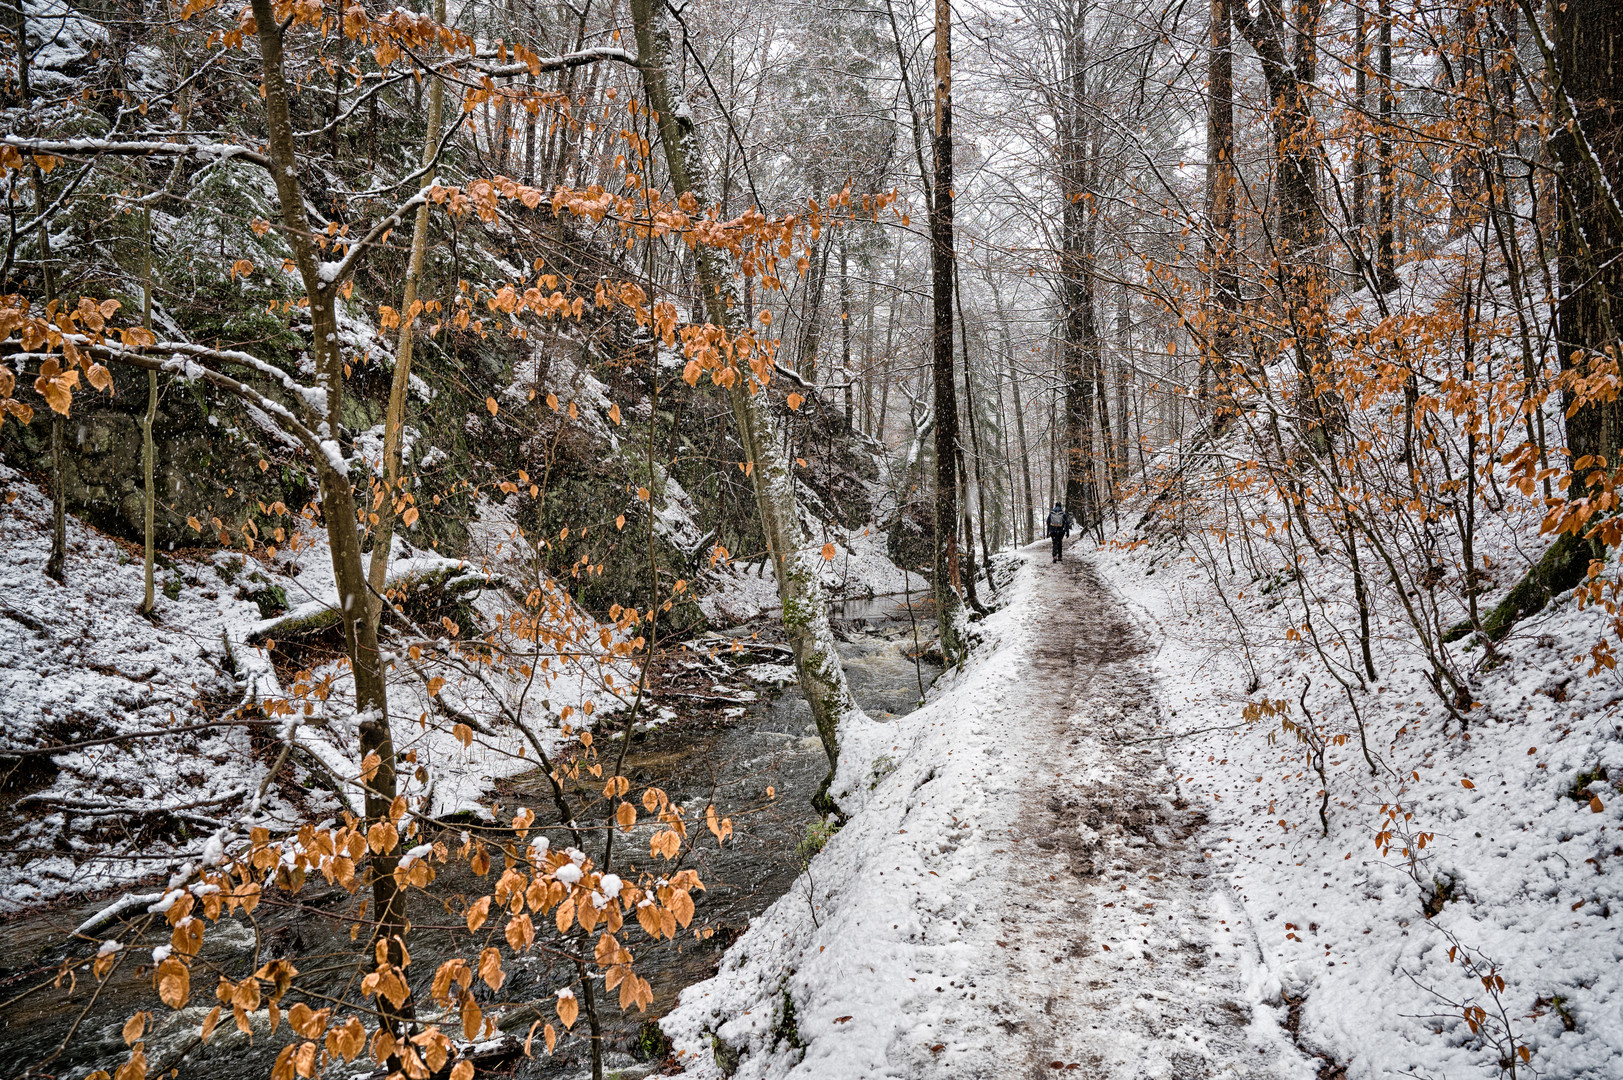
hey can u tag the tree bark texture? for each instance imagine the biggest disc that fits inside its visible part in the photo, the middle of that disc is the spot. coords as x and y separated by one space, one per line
947 575
338 509
394 423
1589 60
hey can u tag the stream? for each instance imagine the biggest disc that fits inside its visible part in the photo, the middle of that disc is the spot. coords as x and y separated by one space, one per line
716 749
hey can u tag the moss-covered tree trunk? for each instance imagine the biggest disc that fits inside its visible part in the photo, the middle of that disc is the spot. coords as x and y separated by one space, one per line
795 563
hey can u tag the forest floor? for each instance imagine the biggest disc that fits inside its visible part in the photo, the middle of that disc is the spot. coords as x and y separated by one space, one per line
1021 892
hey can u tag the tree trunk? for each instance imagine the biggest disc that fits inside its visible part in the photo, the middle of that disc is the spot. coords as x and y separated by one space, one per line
1466 174
1080 328
394 423
1360 167
1124 347
149 451
947 583
1107 451
1013 488
1386 275
1220 189
1053 443
811 337
1019 418
56 563
885 361
1589 58
846 374
867 360
969 414
805 612
338 509
1300 231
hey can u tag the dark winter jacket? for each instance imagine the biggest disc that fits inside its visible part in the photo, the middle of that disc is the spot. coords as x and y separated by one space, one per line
1059 521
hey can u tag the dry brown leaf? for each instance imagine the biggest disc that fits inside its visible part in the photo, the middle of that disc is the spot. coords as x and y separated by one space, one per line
478 912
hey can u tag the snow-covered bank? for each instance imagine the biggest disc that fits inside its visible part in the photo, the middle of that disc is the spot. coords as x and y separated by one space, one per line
174 745
847 944
169 753
859 569
1507 833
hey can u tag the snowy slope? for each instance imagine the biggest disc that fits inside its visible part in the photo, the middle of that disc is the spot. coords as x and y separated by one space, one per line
860 569
1526 873
79 664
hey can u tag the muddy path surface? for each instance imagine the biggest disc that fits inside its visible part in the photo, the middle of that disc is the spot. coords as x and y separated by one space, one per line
1116 953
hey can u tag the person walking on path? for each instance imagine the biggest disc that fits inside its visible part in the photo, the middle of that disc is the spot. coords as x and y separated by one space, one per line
1059 527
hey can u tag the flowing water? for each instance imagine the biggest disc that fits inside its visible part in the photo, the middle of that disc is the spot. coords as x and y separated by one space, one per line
712 751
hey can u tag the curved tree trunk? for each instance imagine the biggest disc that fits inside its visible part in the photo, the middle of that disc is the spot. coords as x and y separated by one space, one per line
794 562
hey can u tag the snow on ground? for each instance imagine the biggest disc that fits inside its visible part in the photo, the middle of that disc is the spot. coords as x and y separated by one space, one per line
1016 890
1521 867
1192 876
79 664
861 568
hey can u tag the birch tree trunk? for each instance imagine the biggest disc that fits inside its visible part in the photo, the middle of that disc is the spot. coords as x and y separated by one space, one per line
800 591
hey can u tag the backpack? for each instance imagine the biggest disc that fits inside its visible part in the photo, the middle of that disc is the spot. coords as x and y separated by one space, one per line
1056 519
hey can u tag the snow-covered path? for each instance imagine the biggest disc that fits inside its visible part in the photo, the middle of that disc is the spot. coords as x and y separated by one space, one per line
1020 891
1124 959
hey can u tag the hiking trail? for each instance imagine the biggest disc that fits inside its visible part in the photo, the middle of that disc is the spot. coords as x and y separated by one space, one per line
1126 959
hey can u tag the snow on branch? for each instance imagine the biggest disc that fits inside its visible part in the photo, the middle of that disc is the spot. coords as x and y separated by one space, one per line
182 360
333 274
74 148
537 65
